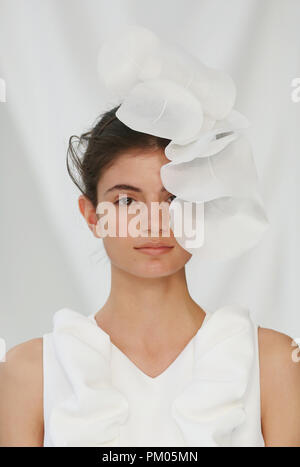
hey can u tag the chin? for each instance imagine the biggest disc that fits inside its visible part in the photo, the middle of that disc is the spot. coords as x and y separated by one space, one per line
147 274
157 268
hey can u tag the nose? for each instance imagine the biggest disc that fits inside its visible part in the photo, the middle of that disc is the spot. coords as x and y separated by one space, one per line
156 220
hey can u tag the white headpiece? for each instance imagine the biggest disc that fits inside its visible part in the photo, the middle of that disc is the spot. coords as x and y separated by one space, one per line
166 92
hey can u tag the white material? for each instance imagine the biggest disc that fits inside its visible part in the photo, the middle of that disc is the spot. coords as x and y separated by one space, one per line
94 395
167 92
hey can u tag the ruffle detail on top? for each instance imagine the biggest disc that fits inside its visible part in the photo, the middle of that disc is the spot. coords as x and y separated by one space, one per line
93 413
211 407
207 410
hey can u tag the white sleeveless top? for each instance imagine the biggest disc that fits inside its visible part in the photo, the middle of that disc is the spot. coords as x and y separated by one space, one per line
94 395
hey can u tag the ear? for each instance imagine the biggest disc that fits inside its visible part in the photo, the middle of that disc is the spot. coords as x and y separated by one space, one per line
89 213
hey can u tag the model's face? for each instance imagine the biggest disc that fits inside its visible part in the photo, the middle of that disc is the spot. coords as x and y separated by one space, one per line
140 170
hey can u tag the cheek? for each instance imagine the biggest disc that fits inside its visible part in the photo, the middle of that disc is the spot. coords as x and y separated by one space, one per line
119 248
122 224
114 223
115 240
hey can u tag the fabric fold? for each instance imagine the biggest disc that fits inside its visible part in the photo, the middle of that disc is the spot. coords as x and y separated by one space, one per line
93 413
212 406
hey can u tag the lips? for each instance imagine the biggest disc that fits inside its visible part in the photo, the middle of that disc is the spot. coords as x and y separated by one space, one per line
154 245
154 249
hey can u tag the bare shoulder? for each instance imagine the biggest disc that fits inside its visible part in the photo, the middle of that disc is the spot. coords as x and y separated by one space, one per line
279 358
21 395
23 361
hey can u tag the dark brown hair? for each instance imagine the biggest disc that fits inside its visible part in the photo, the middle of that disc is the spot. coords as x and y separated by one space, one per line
101 146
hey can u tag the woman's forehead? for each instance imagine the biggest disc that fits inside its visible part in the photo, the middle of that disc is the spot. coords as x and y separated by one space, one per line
140 169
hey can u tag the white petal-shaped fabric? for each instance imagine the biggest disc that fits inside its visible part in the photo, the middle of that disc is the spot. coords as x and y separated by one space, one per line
210 140
137 54
234 120
208 124
170 93
92 415
122 58
162 108
206 145
212 406
231 226
230 172
216 90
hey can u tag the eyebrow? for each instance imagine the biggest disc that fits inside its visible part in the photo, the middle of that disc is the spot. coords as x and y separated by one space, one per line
128 187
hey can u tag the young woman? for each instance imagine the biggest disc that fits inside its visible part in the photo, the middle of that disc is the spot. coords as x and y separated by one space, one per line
151 367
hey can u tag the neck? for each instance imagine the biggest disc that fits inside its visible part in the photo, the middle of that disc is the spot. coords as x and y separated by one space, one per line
149 307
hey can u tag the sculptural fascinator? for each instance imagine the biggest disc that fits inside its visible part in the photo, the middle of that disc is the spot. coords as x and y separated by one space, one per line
166 92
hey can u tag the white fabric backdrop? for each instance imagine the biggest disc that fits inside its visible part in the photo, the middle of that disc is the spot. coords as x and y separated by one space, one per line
48 51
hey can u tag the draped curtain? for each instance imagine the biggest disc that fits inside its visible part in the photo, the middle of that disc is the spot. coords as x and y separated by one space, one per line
48 59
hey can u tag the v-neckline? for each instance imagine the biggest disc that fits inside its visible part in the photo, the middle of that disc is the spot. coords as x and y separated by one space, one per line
169 367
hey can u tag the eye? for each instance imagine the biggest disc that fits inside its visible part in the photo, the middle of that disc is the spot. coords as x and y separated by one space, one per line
123 201
172 196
